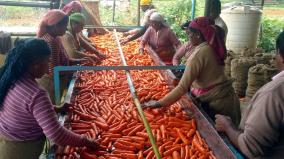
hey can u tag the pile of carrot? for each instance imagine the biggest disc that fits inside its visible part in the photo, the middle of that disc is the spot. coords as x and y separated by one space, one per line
103 109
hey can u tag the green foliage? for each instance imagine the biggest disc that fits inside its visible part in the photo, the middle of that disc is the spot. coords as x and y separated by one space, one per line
176 13
271 27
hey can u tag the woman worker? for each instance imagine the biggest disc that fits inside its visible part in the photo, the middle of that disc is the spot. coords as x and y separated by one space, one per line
70 40
260 133
204 74
76 7
161 38
185 50
148 8
54 25
26 113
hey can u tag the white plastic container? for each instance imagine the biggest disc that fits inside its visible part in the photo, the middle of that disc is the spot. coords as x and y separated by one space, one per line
243 24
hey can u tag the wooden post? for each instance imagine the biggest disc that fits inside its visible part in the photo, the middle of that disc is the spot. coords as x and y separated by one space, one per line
138 13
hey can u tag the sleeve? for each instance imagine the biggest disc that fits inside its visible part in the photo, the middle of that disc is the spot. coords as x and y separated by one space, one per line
69 44
45 115
174 39
179 54
262 127
145 38
192 70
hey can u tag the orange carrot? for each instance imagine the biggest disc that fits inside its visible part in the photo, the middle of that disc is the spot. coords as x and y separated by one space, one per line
170 151
182 137
176 155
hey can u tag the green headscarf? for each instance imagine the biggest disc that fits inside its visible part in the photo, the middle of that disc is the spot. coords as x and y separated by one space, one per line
77 17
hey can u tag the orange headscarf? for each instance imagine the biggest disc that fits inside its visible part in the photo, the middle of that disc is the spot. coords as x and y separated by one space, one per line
51 18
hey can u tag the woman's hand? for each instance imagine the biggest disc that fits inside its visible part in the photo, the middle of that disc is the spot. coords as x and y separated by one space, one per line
152 104
124 41
101 56
141 50
92 144
124 34
63 108
223 123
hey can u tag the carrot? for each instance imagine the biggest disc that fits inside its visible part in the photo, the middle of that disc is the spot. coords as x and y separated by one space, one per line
84 115
80 126
182 137
176 155
150 155
86 155
66 149
105 141
80 131
136 129
124 147
190 133
140 154
129 156
148 151
118 128
101 125
159 137
119 151
111 135
170 151
163 131
187 152
138 146
182 152
197 145
142 134
161 150
204 156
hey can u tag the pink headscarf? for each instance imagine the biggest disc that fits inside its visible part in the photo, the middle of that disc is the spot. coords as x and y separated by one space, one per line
74 6
51 18
213 34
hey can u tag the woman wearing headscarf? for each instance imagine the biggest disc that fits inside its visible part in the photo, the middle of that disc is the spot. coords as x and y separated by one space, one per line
27 116
52 27
77 7
148 8
161 38
73 46
204 74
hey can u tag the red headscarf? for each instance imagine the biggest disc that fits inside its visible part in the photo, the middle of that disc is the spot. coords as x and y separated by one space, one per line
74 6
213 34
51 18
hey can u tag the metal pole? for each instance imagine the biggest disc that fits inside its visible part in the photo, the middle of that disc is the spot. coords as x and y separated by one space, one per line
136 100
193 3
138 13
27 4
207 8
113 11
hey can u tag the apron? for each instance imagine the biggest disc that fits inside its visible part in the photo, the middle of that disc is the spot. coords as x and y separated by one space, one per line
21 149
221 100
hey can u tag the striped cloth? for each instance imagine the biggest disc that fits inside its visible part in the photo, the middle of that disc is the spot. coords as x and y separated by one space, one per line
27 114
58 53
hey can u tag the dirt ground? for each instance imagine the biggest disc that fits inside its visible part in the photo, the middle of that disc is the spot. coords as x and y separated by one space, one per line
274 12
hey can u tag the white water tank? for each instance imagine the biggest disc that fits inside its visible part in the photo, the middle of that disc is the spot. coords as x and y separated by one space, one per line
243 24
